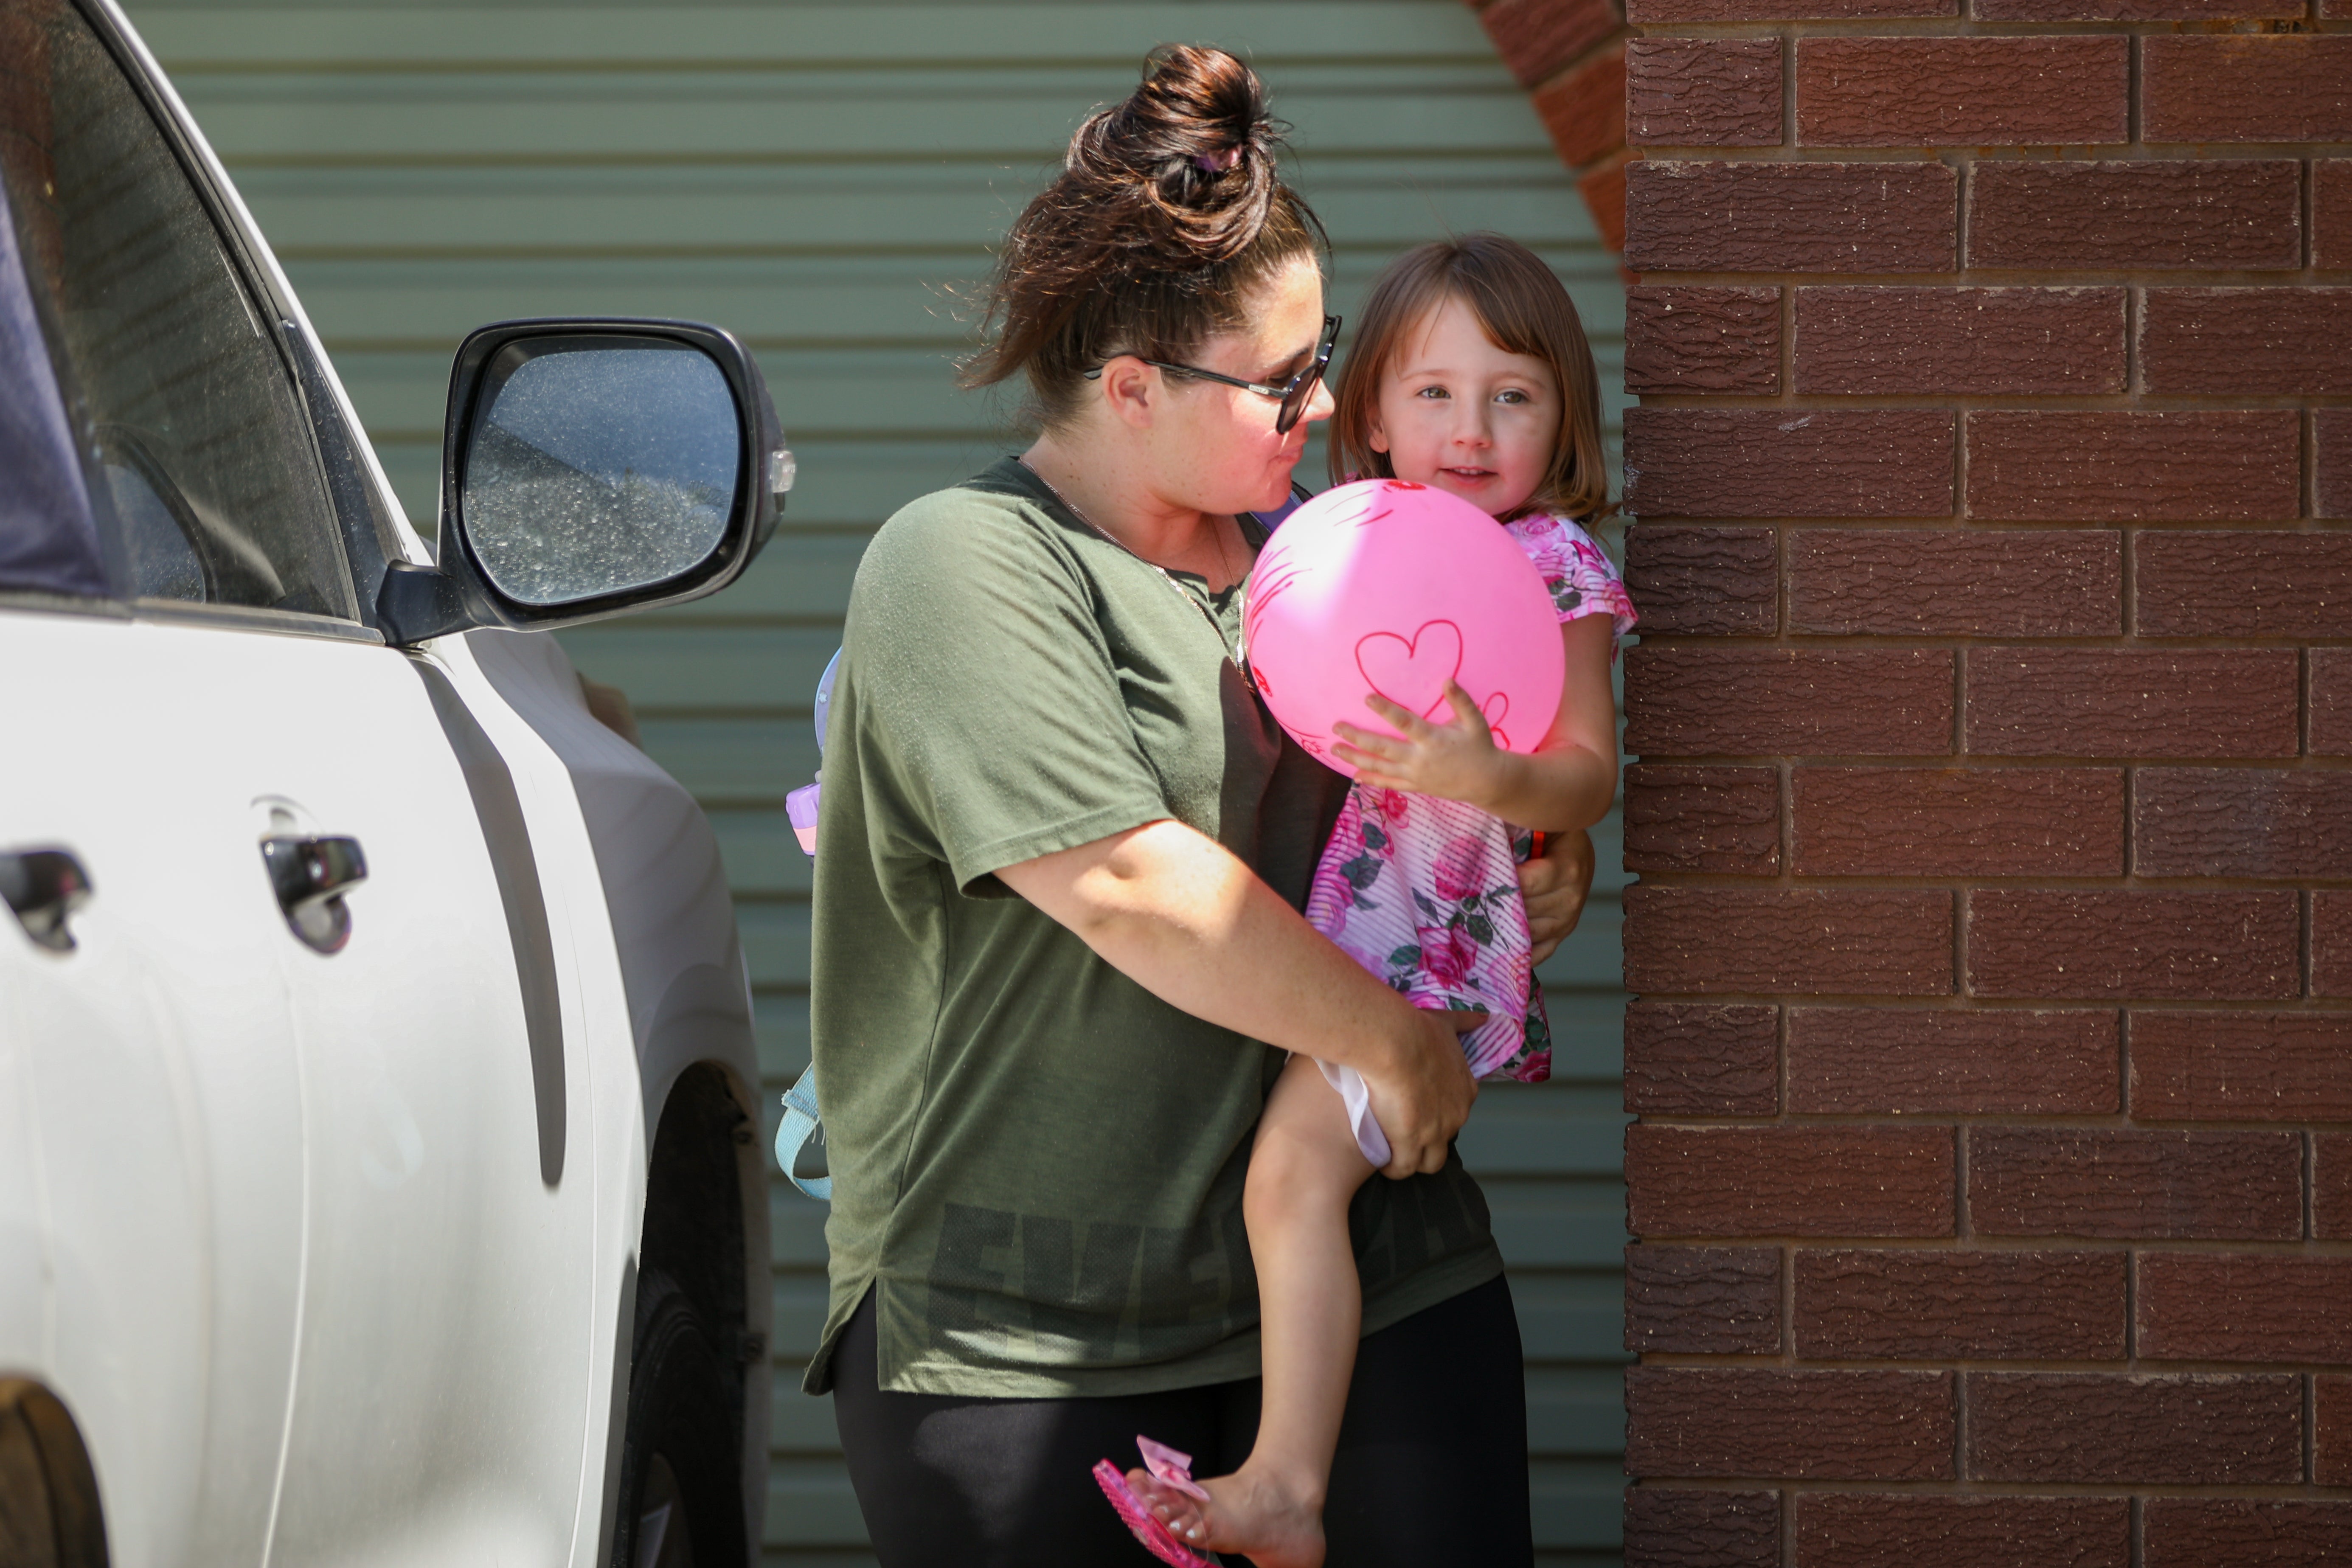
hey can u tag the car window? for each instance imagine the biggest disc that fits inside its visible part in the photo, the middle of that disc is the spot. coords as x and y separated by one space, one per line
201 443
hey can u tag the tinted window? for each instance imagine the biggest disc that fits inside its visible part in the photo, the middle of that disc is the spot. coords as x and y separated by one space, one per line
202 446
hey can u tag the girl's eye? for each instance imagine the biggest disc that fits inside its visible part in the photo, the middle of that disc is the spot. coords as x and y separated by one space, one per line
1432 393
1513 396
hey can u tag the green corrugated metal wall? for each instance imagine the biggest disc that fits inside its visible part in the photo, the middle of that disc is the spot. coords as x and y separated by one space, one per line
816 177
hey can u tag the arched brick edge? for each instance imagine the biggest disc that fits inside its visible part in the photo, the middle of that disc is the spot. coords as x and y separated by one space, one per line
1570 54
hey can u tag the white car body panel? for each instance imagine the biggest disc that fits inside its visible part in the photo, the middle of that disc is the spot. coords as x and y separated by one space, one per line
278 1229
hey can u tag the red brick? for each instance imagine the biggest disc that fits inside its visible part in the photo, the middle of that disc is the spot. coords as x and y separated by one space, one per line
1603 190
2246 87
2101 702
2130 10
2242 1066
1689 580
1979 91
1584 110
1941 1061
1683 1527
1770 702
1537 37
2331 213
1809 941
2331 701
1701 819
1904 1530
2331 1430
2235 215
1792 217
1685 339
1699 1059
1957 822
1704 92
1921 1304
2260 1307
2105 1430
2241 585
1806 1426
2331 944
2126 1183
1958 342
1943 583
2331 1210
2245 1532
1703 1301
2257 341
2242 821
2134 942
1656 12
2331 452
1776 462
1820 1181
2114 466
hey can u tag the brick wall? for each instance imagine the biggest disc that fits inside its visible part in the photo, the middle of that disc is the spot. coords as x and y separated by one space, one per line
1993 1059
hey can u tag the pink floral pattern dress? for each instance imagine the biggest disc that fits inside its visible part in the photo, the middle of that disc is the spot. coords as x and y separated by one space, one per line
1424 892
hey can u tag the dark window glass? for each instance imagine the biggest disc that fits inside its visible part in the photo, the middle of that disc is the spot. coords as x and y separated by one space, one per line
202 446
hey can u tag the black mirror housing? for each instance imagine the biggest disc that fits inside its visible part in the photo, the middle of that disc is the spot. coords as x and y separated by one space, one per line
476 582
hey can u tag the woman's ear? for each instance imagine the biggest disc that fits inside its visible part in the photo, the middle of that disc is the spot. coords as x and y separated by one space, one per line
1130 388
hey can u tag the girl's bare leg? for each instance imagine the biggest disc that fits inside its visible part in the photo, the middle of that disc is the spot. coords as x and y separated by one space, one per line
1304 1169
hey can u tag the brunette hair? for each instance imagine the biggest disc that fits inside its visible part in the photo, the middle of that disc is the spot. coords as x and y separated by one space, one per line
1523 311
1168 213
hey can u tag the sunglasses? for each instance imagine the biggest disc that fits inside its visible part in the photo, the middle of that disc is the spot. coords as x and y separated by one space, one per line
1293 394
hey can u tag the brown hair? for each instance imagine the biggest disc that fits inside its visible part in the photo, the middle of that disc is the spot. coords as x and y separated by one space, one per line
1523 311
1169 213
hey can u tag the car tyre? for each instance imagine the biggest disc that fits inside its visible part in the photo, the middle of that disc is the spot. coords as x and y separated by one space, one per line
681 1503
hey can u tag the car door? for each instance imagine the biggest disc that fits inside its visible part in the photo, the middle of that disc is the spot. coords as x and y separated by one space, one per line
316 823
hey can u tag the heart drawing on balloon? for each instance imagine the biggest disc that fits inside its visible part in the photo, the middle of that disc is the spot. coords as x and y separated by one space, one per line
1411 672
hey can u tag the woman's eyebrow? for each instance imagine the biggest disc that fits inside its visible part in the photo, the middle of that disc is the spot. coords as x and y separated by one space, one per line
1292 363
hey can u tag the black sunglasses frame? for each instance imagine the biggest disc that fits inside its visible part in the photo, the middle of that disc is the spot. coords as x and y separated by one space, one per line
1294 394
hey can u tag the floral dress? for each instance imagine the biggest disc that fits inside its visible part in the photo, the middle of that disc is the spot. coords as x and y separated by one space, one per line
1424 892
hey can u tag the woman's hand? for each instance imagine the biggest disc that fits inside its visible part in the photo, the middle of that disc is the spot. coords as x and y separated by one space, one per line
1422 1101
1554 885
1455 760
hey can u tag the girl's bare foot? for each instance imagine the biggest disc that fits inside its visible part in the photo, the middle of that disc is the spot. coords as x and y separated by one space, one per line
1249 1511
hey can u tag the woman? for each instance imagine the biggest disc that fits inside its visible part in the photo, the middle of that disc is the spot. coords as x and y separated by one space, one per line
1062 856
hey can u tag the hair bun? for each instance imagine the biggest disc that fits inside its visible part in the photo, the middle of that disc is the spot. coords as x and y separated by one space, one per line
1191 154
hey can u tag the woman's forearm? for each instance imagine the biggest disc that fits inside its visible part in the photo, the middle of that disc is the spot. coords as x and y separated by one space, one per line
1174 911
1178 913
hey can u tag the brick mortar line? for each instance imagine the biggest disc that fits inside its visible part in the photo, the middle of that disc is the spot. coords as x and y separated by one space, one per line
1914 27
1957 155
1962 1369
2154 1245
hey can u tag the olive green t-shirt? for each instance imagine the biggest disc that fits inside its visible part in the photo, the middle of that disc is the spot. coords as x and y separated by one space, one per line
1037 1164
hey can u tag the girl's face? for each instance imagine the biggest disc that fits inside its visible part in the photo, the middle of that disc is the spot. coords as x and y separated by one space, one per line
1457 413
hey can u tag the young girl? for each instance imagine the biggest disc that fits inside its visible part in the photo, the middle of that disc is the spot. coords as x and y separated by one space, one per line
1471 373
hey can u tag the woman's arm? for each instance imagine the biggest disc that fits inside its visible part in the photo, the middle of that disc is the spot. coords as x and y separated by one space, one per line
1178 913
1566 784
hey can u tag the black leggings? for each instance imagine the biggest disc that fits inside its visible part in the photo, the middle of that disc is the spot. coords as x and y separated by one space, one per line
1431 1467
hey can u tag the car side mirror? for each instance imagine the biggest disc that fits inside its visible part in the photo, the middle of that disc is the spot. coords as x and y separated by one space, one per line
589 468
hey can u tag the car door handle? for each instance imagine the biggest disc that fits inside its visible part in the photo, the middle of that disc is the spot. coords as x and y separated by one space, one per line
44 887
310 877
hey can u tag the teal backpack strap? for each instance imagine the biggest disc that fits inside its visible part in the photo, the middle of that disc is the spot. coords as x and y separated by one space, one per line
800 1125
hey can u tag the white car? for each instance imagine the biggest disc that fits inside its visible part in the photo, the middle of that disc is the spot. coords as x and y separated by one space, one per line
378 1177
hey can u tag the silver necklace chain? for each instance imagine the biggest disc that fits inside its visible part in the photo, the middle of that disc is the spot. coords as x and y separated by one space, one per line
1165 576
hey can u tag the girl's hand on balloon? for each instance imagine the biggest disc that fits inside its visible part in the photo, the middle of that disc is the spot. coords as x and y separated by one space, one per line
1455 760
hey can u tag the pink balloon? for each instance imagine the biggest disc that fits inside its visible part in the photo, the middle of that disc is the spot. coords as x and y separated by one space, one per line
1383 586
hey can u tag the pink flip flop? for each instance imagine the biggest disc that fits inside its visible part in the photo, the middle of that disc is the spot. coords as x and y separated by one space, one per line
1176 1469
